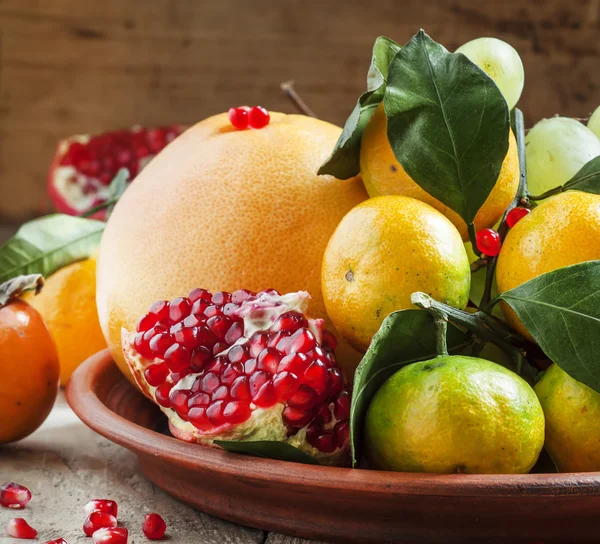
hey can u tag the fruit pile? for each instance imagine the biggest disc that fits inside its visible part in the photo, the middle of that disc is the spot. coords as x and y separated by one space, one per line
450 258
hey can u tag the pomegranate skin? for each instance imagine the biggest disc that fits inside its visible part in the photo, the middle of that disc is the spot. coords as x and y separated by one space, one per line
225 209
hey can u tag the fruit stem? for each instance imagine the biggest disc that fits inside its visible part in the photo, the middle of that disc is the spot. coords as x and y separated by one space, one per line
518 125
14 287
288 88
547 194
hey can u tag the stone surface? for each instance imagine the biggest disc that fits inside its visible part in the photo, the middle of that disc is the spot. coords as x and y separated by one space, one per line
65 464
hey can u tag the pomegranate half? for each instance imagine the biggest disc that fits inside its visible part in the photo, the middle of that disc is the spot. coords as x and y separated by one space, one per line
243 366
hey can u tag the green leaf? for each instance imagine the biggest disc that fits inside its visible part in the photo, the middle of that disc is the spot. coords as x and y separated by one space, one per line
115 190
405 337
45 245
561 310
448 124
587 179
15 287
344 161
269 449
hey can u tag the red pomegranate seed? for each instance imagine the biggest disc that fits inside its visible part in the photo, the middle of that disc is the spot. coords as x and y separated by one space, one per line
329 341
57 541
147 322
176 377
250 366
238 117
98 520
212 311
240 295
296 418
268 360
14 495
289 321
220 393
103 505
160 309
342 406
162 394
221 298
19 528
206 337
266 396
257 380
258 117
230 309
238 354
488 242
336 380
515 215
305 398
154 526
179 309
296 363
342 434
199 399
199 307
219 325
200 294
236 412
316 376
110 535
215 413
231 373
200 357
187 336
209 382
326 443
217 364
197 417
178 399
324 416
142 346
301 341
177 358
258 341
235 332
220 347
156 374
240 390
160 343
286 384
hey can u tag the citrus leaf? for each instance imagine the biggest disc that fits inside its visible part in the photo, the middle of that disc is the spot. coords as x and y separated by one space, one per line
405 337
448 124
587 179
115 190
15 287
561 310
269 449
45 245
344 161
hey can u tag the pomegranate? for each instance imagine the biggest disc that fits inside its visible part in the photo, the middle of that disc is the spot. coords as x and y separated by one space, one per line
103 505
243 366
57 541
84 165
110 535
19 528
98 520
154 526
14 496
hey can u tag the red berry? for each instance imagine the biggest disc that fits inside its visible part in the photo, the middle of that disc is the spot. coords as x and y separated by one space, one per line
154 526
488 242
515 215
238 117
258 117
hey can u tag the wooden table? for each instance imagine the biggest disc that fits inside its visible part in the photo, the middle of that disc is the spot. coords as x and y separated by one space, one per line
65 464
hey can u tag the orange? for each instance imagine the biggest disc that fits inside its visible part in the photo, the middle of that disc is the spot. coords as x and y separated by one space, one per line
384 250
224 209
68 305
383 175
29 367
561 231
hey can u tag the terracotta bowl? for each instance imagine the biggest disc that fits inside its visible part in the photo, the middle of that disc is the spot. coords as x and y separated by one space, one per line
335 504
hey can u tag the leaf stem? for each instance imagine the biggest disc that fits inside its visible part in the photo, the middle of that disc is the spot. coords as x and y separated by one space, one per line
518 126
288 88
547 194
441 331
106 204
472 237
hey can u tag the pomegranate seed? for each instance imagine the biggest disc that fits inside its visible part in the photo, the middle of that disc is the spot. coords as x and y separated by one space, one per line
199 294
212 311
238 117
270 292
57 541
215 413
177 358
147 322
160 343
236 412
160 309
217 364
103 505
329 341
154 526
268 359
98 520
305 398
197 417
15 496
238 354
141 346
220 393
231 373
295 362
301 341
210 382
289 321
199 399
342 406
179 308
324 416
326 443
110 535
192 321
187 336
250 366
488 242
19 528
336 380
515 215
230 309
156 374
266 396
240 390
234 333
294 417
199 307
200 357
242 294
221 298
178 399
342 434
219 325
206 337
162 394
258 117
177 376
316 376
220 347
258 341
286 384
257 380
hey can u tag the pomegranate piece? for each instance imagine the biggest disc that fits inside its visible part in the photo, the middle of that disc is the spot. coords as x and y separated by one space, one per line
84 165
15 496
258 117
238 117
111 535
154 526
57 541
19 528
103 505
241 366
98 520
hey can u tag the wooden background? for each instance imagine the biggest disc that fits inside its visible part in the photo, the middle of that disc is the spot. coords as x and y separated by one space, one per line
69 66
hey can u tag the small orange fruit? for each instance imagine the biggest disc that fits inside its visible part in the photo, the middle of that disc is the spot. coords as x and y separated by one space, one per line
29 367
68 306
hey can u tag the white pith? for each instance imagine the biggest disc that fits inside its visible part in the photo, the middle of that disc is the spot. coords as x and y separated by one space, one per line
264 423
